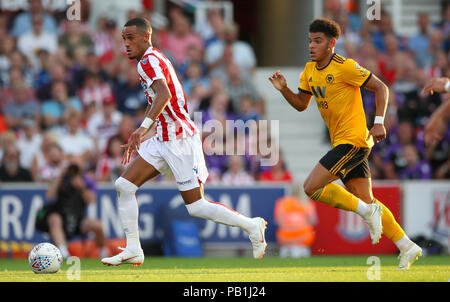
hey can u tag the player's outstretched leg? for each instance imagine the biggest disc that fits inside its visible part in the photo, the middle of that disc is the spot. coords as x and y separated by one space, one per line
409 251
128 212
219 213
338 197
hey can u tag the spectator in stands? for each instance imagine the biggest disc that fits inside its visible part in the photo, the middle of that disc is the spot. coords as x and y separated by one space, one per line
217 161
238 86
29 142
194 77
7 47
194 55
75 142
57 72
49 163
222 52
23 22
236 175
52 110
181 37
211 30
247 111
103 124
414 168
218 113
348 38
31 42
419 43
295 216
126 127
20 68
108 39
217 87
385 27
444 27
64 217
109 166
6 138
277 172
3 126
391 61
94 90
377 155
11 170
128 91
74 38
394 158
21 108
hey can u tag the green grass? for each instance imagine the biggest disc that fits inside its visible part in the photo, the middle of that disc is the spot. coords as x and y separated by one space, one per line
269 269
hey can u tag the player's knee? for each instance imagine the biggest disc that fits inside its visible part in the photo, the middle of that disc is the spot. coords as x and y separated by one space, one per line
309 189
123 185
198 209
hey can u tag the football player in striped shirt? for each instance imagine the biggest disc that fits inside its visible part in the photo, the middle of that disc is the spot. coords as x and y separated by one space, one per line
335 83
176 147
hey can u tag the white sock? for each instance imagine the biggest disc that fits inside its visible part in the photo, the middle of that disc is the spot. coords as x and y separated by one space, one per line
64 251
403 243
362 208
128 212
220 213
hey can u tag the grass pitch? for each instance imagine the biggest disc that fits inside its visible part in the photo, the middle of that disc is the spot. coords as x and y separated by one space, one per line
269 269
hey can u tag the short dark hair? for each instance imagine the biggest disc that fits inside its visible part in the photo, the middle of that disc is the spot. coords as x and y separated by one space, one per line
330 28
141 24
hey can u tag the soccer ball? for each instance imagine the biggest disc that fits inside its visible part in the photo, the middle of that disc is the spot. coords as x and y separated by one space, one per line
45 258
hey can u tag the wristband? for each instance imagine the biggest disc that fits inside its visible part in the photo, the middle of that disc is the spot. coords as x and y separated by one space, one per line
447 87
147 123
379 120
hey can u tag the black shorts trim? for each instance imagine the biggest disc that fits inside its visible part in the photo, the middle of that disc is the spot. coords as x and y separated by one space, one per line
347 161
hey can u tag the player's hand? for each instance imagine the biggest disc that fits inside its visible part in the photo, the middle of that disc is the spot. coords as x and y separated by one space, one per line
378 132
133 144
278 81
435 85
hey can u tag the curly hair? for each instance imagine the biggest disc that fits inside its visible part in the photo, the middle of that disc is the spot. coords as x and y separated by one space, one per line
330 28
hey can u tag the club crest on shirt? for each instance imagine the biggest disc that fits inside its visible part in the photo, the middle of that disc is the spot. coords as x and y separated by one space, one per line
144 61
329 78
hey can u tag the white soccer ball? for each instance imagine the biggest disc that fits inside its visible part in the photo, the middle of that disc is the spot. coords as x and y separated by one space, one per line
45 258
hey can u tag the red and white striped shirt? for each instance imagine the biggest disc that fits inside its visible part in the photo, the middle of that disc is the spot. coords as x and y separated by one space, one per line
174 122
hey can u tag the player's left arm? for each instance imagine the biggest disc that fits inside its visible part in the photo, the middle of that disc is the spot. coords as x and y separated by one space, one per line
374 84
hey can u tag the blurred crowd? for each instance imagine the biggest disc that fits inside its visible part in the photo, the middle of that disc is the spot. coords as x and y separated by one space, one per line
69 93
405 64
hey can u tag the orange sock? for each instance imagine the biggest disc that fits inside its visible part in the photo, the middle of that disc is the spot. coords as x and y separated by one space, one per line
336 196
391 229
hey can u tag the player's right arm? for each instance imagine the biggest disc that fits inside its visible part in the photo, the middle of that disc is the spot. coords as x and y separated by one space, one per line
299 101
437 124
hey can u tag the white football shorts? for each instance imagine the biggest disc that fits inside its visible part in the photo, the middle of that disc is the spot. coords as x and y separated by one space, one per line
184 157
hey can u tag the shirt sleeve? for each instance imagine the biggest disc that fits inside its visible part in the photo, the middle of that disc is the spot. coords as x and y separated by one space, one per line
304 84
354 74
150 70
